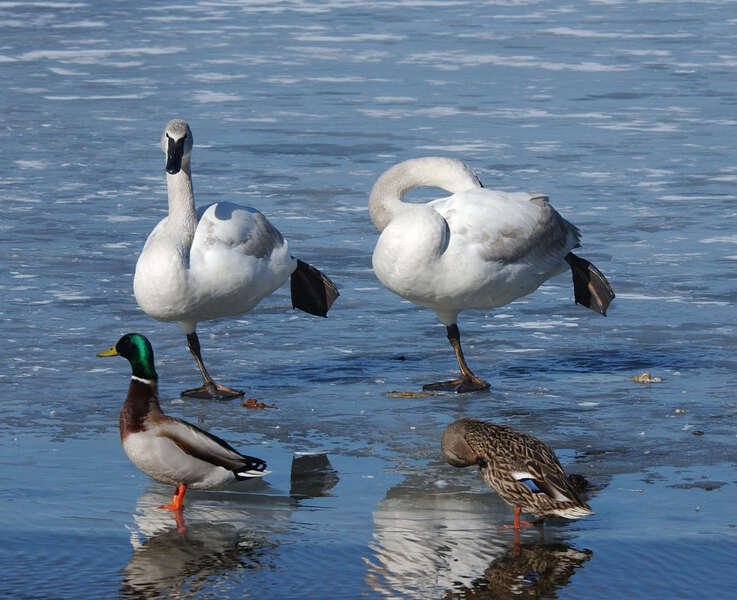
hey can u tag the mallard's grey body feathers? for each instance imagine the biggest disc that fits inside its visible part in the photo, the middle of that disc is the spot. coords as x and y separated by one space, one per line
165 448
519 467
175 452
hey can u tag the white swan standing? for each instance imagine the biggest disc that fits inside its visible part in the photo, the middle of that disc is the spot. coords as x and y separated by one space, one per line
218 261
477 248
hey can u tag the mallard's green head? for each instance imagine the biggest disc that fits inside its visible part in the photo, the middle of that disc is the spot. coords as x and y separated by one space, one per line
137 349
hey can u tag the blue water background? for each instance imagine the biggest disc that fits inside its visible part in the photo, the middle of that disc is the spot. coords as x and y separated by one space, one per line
623 113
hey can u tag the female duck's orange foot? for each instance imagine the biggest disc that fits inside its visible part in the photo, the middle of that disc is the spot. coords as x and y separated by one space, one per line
177 499
520 524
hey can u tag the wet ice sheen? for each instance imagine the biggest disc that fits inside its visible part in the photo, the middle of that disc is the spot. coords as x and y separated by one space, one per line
623 113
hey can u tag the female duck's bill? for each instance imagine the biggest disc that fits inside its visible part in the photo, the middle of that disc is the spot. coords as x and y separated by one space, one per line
166 448
475 249
218 261
522 469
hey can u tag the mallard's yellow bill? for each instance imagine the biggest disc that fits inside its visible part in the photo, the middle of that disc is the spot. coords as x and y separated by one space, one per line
111 352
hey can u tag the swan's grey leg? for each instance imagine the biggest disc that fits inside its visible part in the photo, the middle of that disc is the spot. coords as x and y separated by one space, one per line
468 382
209 388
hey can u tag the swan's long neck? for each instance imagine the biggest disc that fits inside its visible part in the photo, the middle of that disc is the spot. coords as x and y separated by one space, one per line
182 213
385 201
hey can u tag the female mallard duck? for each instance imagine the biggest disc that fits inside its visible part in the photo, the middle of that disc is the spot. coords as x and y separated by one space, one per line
477 248
218 261
520 468
165 448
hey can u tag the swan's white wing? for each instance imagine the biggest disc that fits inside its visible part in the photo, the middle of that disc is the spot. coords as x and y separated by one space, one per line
238 228
237 258
509 227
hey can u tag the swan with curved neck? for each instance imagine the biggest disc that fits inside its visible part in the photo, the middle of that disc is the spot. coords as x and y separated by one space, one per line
475 249
218 261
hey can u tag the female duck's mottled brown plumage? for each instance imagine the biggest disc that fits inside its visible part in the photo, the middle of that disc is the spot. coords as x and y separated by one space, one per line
518 466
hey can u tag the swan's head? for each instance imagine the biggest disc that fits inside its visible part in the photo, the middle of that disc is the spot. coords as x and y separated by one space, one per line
176 142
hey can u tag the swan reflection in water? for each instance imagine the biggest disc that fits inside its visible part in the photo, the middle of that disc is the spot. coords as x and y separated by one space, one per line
447 542
226 532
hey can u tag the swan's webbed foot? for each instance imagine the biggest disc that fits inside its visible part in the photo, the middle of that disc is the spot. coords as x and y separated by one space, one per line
462 385
213 391
467 382
209 390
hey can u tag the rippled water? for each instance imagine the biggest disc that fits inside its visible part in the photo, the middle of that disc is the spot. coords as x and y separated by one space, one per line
623 113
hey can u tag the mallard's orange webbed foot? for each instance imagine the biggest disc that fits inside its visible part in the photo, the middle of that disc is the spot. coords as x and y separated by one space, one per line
177 499
517 525
520 525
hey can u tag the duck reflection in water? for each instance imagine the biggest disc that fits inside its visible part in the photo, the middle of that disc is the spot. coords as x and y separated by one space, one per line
176 564
447 543
225 532
428 539
527 571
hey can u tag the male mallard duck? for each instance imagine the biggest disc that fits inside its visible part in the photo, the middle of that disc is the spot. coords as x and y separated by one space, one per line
477 248
218 261
165 448
520 468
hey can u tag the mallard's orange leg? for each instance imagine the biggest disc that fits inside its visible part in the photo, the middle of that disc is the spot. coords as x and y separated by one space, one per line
467 382
177 499
520 524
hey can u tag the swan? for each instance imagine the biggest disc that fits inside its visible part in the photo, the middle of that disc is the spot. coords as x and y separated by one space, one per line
522 469
218 261
165 448
477 248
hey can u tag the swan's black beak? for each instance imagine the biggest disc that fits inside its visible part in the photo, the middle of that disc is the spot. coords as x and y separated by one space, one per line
174 153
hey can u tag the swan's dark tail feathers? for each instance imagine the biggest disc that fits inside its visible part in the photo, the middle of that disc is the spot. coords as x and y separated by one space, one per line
590 287
312 290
